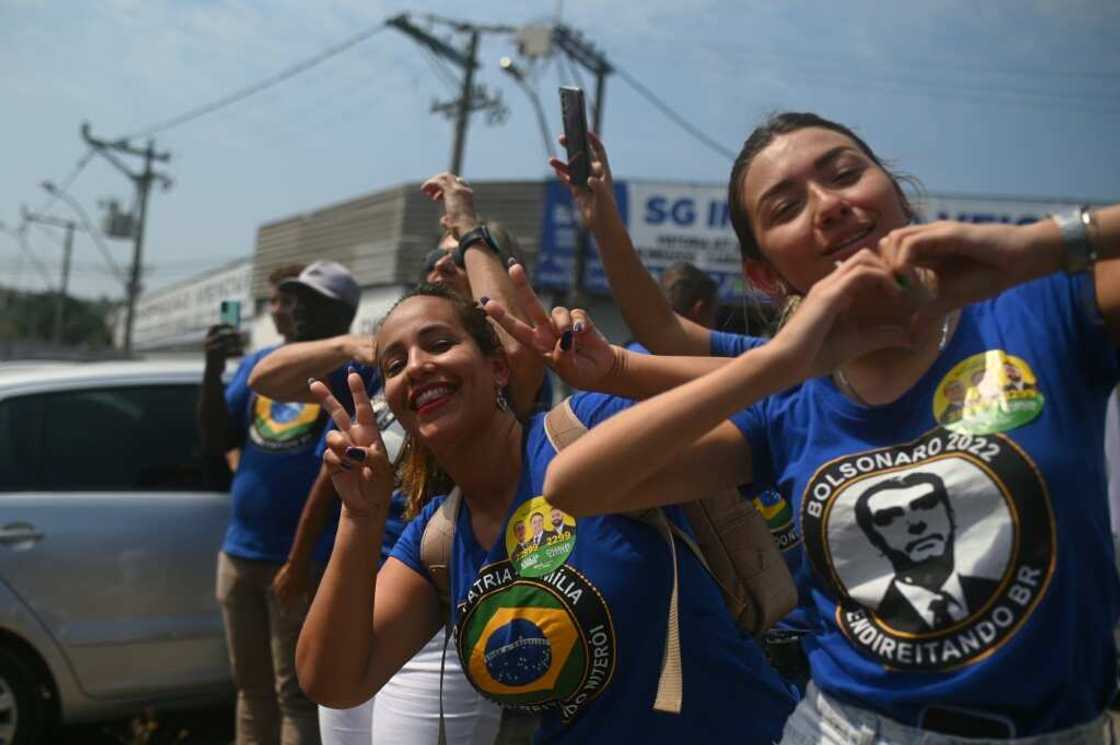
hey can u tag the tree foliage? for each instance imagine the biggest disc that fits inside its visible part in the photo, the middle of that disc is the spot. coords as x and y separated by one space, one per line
30 316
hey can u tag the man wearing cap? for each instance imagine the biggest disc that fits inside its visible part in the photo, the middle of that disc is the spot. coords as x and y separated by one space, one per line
271 483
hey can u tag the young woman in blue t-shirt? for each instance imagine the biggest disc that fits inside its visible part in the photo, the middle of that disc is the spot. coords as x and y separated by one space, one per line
558 616
934 411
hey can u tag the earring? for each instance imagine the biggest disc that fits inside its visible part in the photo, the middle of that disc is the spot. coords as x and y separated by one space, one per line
503 402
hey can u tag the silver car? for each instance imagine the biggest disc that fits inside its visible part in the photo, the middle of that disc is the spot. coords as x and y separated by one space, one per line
110 524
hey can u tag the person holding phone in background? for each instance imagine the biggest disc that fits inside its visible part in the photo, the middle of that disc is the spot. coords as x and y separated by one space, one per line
277 466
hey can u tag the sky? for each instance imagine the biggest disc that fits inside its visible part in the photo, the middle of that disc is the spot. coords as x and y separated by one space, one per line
1016 98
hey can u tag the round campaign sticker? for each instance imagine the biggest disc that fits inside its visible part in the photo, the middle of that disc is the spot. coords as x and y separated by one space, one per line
988 393
539 538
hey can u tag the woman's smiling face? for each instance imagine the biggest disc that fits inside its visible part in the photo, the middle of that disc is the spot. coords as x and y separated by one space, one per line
437 380
815 198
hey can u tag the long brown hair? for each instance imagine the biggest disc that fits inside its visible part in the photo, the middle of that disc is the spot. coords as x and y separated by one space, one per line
420 475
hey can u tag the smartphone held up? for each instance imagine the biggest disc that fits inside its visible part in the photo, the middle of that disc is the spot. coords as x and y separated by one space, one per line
229 313
229 339
574 110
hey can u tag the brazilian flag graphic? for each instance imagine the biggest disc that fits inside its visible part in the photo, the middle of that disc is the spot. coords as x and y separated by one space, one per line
521 646
284 425
774 508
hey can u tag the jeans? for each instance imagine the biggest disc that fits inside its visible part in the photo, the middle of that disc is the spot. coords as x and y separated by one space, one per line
261 634
821 720
406 709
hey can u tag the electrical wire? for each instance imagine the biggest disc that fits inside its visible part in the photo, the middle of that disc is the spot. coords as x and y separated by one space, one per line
901 77
442 72
46 232
67 182
243 93
569 76
20 236
668 111
95 235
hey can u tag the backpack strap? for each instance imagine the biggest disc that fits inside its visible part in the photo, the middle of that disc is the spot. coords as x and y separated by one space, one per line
670 685
435 547
563 427
435 554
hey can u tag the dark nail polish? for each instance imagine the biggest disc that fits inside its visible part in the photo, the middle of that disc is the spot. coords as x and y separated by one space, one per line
351 369
566 340
902 281
578 327
356 454
310 381
512 261
483 300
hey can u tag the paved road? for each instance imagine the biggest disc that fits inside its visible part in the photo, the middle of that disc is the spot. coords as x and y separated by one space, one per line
202 727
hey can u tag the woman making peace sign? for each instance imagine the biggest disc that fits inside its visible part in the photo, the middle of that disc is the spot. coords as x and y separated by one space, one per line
572 627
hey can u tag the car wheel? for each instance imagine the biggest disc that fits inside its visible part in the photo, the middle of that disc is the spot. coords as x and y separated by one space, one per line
23 701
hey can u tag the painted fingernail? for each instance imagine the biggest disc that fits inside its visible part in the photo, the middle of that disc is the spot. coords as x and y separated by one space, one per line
351 369
310 381
356 454
512 261
566 340
483 300
578 327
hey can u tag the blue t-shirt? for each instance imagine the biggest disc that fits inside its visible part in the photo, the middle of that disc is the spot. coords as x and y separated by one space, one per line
277 467
568 617
721 343
727 344
958 538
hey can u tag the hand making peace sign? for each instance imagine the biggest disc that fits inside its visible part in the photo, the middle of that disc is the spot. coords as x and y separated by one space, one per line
567 340
356 458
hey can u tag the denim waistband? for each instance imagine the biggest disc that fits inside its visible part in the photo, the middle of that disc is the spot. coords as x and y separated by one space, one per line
863 727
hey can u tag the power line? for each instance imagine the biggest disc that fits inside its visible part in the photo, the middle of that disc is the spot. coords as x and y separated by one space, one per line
441 70
21 238
67 182
900 76
259 86
95 235
668 111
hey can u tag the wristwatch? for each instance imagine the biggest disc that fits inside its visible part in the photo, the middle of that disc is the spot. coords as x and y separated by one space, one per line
479 236
1078 251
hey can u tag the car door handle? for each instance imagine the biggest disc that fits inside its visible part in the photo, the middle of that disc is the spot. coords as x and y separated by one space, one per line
14 533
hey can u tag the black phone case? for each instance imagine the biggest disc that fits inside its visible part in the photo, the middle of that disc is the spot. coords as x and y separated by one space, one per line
575 130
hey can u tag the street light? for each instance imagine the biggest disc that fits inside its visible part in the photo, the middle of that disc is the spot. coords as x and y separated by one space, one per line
511 69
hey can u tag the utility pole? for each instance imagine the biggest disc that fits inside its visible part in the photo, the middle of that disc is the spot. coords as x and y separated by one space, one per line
143 181
584 54
463 116
67 248
471 97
